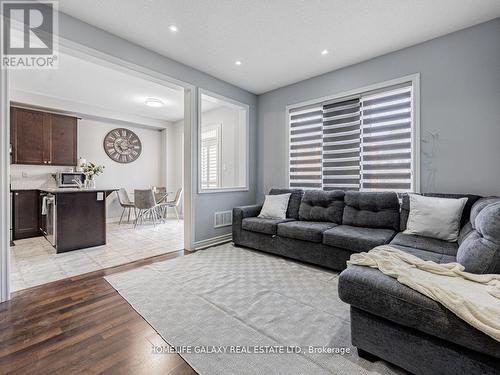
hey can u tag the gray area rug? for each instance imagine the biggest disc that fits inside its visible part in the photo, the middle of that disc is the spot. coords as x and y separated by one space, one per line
232 304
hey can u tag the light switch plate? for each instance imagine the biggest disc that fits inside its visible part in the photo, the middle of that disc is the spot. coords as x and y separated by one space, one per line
100 196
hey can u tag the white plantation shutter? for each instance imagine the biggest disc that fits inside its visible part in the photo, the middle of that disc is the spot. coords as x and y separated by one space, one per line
341 145
386 140
210 159
306 133
363 142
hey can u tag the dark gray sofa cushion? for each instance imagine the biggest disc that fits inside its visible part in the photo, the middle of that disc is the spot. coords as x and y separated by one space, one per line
304 230
371 210
261 225
464 232
319 205
478 207
370 290
405 206
357 239
425 243
427 255
480 251
293 203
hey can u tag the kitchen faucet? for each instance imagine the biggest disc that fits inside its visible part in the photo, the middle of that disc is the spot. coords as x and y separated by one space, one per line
78 183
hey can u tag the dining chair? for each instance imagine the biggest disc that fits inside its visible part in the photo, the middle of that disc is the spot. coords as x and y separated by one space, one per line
126 204
146 204
174 203
160 194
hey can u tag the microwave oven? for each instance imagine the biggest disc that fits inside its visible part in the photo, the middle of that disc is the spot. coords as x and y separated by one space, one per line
67 179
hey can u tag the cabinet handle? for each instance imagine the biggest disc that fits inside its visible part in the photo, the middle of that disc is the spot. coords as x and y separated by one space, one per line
50 161
17 194
45 162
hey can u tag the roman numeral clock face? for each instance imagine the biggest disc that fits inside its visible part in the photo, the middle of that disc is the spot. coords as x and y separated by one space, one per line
122 145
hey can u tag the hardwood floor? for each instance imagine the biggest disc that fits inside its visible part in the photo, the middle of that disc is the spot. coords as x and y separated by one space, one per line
81 325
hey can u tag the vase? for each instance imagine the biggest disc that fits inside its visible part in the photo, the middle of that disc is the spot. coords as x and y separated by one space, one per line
90 183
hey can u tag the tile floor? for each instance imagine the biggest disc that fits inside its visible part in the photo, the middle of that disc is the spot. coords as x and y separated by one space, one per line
34 261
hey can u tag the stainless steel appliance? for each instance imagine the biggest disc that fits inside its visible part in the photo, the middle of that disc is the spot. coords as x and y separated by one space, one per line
51 234
67 179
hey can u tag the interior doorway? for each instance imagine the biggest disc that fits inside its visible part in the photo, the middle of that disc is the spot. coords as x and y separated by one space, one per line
166 150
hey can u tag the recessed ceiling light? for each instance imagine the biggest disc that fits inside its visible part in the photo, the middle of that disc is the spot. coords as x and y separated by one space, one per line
324 52
155 103
238 62
173 28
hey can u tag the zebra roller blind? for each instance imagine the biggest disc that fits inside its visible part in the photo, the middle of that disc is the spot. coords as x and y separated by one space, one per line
306 142
386 140
341 145
363 142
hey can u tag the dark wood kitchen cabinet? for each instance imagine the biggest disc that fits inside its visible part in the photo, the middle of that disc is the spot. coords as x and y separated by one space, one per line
42 138
26 214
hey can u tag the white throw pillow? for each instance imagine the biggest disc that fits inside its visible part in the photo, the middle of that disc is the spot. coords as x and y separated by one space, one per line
435 217
275 206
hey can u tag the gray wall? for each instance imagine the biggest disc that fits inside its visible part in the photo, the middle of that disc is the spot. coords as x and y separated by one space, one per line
205 205
460 103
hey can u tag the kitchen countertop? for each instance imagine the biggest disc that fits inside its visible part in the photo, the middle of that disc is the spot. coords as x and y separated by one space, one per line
74 190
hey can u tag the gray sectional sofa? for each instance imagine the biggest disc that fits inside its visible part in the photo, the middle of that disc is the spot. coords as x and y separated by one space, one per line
322 228
388 319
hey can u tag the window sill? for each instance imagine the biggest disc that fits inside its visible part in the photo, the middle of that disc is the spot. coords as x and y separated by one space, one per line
223 190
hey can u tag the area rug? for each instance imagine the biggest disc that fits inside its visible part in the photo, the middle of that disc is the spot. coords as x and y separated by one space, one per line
228 310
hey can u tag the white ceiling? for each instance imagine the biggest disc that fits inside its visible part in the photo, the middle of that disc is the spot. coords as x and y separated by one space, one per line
279 41
96 88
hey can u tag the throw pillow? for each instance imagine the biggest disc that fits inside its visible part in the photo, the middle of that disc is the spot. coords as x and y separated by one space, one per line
275 206
435 217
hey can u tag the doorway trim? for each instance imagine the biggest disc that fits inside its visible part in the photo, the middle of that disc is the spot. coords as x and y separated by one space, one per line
101 58
5 216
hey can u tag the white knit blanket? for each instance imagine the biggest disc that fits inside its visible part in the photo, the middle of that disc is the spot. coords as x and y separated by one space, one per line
474 298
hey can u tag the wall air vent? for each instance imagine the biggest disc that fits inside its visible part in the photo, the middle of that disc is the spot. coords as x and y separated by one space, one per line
223 219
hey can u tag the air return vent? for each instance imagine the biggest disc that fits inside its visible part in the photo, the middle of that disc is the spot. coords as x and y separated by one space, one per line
223 219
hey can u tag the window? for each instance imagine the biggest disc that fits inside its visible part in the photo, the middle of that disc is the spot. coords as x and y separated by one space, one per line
223 132
210 158
361 142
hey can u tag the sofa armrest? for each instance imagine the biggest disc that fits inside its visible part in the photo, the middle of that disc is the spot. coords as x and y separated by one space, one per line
243 212
240 213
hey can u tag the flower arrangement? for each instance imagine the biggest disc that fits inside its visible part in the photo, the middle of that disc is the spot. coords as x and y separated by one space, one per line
90 170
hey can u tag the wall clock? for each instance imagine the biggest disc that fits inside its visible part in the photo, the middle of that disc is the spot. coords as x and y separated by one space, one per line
122 145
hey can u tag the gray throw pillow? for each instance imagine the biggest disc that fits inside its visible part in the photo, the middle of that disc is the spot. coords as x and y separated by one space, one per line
480 251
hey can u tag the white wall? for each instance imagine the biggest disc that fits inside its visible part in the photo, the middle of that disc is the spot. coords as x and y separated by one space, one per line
459 106
233 142
175 157
142 173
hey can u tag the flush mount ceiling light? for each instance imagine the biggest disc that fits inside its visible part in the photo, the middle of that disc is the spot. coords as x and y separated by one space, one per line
173 28
237 62
155 103
324 52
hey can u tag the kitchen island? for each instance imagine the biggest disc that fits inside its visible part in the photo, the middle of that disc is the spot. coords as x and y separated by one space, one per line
76 218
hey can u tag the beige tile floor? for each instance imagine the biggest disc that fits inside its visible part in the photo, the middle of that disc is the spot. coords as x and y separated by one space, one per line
34 261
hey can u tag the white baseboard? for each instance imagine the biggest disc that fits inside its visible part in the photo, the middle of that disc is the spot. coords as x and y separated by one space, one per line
198 245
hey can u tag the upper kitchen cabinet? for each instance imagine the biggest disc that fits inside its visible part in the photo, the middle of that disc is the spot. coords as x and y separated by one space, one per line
28 129
63 131
42 138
